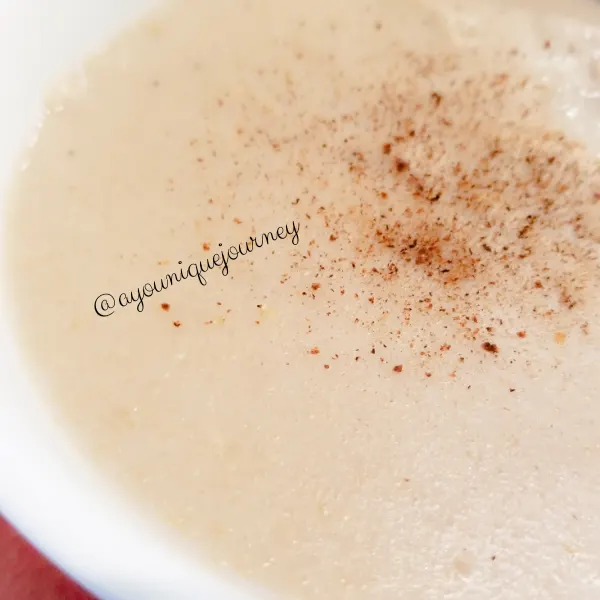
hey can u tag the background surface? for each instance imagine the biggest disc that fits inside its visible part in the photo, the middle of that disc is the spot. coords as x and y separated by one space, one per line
26 575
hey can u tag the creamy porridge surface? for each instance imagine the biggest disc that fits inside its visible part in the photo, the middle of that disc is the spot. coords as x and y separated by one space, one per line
401 397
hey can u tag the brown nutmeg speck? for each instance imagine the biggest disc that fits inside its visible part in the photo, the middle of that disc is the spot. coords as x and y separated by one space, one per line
489 347
401 165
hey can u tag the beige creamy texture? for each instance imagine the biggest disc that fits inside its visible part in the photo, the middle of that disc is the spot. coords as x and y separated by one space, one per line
405 404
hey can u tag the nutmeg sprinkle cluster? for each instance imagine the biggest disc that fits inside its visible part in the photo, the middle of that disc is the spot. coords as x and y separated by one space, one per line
455 204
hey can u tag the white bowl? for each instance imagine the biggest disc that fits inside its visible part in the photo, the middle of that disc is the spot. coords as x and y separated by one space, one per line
46 489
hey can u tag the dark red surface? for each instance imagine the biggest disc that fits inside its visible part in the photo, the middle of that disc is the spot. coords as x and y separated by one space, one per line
26 575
